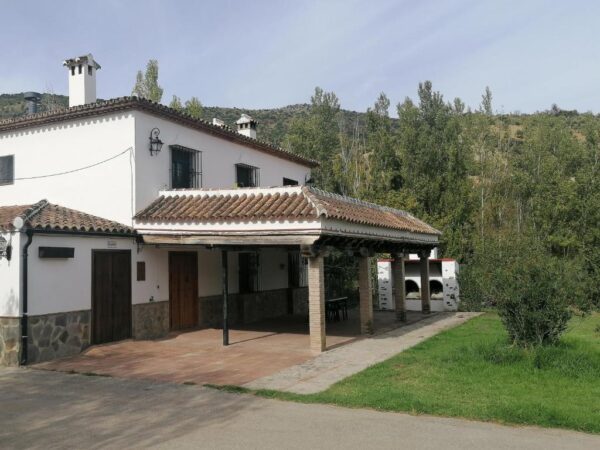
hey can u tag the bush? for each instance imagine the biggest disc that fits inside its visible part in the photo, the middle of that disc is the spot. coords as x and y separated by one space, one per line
532 302
533 292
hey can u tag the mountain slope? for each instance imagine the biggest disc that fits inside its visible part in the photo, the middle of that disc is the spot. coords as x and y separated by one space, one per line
273 123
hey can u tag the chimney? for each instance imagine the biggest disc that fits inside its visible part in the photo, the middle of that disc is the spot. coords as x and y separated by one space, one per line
218 122
82 79
246 125
32 99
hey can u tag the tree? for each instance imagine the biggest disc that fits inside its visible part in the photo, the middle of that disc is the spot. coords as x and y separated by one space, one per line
193 107
146 84
176 104
434 152
317 136
486 102
382 171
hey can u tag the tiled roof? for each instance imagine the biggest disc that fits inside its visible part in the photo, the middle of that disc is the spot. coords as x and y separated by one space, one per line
275 204
46 216
142 104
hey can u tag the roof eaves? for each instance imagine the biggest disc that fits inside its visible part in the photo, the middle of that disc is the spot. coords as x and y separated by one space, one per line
125 103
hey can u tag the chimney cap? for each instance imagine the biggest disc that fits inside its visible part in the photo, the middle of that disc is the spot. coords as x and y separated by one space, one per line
35 96
84 59
245 118
218 122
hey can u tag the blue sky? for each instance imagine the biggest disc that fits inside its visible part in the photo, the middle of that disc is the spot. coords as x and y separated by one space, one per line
261 54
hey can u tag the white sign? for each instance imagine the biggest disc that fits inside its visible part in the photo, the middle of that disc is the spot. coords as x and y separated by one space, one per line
111 243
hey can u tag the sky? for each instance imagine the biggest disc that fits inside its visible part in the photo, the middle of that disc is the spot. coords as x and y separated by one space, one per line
264 54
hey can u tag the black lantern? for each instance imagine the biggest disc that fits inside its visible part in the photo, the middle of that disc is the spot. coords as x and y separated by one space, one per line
155 143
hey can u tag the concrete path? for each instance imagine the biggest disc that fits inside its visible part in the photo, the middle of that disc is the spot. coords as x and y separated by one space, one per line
329 367
52 410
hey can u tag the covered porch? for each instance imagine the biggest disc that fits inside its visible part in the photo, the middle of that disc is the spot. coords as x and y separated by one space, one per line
292 219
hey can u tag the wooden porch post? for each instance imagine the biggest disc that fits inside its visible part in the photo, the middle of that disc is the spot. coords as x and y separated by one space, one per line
399 287
364 293
316 303
225 281
424 264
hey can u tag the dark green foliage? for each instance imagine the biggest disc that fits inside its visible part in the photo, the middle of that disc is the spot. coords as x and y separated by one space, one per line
531 300
13 105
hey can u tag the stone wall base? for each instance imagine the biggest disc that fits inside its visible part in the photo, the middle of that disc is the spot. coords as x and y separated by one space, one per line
150 320
10 341
243 308
52 336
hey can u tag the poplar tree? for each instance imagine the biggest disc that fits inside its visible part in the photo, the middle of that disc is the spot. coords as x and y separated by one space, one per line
146 84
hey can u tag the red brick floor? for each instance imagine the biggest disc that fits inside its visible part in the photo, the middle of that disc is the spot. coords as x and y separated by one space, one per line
198 356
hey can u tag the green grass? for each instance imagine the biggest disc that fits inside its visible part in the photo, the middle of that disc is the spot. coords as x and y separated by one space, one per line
472 372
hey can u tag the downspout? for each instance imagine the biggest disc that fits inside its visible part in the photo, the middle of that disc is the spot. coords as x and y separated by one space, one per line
24 317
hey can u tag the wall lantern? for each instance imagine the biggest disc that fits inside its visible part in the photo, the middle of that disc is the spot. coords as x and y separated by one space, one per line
155 143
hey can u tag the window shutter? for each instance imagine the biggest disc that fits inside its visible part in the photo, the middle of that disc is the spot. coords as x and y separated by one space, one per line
7 169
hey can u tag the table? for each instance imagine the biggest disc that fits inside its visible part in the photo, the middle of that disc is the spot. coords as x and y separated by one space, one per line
336 309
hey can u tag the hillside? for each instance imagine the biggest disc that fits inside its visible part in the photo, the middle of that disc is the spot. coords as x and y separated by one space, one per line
273 125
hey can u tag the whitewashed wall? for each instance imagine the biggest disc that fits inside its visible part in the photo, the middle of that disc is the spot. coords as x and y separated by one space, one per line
273 269
156 285
120 187
10 273
219 157
61 285
104 190
272 276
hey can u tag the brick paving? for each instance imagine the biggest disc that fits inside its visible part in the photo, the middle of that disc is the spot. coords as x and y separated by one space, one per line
256 351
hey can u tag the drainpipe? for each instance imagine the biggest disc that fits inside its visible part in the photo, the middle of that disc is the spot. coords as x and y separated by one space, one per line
24 337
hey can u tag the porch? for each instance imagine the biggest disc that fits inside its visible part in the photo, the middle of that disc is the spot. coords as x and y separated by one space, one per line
300 219
256 351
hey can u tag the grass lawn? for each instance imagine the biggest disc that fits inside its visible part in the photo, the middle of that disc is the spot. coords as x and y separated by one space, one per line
471 371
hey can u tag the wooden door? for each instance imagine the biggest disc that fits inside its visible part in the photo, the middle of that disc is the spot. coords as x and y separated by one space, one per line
111 295
183 289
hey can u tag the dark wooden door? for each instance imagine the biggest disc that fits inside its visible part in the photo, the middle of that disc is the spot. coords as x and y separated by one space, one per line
111 295
183 289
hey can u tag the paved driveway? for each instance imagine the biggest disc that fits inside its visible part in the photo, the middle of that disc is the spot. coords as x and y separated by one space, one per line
52 410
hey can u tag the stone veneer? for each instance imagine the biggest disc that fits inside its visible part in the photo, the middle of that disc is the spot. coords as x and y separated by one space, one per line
150 320
243 308
57 335
10 341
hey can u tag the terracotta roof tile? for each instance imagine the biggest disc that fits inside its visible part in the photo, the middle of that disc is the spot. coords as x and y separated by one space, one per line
47 216
275 204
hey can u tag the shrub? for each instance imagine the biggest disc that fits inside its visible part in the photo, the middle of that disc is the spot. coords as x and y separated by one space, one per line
532 303
532 290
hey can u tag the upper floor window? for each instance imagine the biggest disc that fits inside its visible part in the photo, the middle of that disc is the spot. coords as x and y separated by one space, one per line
186 167
247 176
7 169
289 182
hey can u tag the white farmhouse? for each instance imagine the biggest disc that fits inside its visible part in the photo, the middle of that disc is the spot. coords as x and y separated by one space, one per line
127 219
